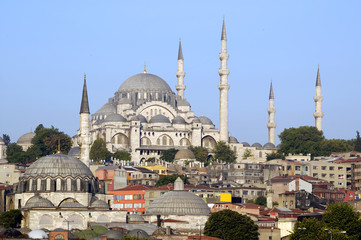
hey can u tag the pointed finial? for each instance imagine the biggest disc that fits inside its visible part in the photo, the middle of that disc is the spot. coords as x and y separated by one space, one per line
145 68
271 96
180 52
318 79
224 37
58 146
84 107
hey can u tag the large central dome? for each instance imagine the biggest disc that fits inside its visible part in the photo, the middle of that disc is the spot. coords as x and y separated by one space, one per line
144 82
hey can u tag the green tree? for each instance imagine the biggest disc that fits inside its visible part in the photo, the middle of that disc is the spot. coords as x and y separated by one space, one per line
11 219
121 155
357 146
14 153
275 155
261 200
170 179
309 229
301 140
327 146
6 139
201 154
99 151
168 155
230 225
224 153
46 141
247 154
342 216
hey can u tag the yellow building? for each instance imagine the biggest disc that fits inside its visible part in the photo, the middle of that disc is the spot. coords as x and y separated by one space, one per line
159 169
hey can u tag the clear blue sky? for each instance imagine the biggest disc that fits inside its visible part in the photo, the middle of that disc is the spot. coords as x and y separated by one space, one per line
46 46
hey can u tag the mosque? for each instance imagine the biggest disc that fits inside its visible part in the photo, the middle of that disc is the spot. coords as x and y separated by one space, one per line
145 117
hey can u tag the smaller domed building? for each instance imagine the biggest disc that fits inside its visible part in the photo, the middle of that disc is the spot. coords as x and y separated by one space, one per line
25 140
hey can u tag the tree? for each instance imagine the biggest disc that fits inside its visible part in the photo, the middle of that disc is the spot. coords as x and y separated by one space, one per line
99 151
230 225
171 179
275 155
327 146
357 146
224 153
11 219
343 216
261 200
121 155
14 153
247 154
168 155
201 154
6 139
309 229
303 140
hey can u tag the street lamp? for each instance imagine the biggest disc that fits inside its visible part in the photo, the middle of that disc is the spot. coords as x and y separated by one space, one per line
331 233
68 221
200 230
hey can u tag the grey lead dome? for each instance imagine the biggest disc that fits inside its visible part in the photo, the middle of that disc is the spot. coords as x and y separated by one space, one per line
58 165
145 82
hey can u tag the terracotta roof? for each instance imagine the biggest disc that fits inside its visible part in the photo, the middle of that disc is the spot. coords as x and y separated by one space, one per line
133 188
252 206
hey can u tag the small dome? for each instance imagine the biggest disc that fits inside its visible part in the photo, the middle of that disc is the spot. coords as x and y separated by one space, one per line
178 120
144 82
71 203
58 165
269 145
196 120
159 119
26 138
257 145
205 121
183 102
184 154
178 203
139 233
115 118
135 218
38 202
142 118
99 204
38 234
233 140
74 152
113 234
107 108
245 144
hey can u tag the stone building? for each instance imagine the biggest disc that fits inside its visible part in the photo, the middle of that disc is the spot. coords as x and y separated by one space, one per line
25 140
2 149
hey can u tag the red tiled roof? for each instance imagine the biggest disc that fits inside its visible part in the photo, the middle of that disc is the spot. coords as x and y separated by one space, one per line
252 206
132 188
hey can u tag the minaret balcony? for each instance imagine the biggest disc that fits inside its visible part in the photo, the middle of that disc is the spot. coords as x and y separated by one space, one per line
271 125
180 74
223 56
318 114
318 98
271 110
223 72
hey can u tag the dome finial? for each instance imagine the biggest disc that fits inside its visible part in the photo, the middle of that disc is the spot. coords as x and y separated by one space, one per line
58 146
145 68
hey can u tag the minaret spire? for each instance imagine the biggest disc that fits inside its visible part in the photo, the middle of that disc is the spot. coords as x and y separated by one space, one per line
318 114
223 87
180 87
84 140
271 125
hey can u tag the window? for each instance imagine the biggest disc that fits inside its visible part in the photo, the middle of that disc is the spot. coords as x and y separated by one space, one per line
137 196
331 168
8 174
323 175
341 176
323 167
245 192
297 168
314 167
128 205
315 175
289 167
332 175
137 205
340 183
128 197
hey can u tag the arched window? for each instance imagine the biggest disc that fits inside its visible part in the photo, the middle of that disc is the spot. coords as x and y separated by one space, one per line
46 221
145 141
76 220
165 140
184 142
209 142
68 184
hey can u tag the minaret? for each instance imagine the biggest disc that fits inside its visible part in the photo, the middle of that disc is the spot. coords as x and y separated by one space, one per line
180 87
271 125
223 87
84 140
318 114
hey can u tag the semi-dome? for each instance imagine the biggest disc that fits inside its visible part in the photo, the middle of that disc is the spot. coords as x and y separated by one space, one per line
183 102
233 139
113 234
26 138
196 120
178 202
38 202
107 108
74 152
205 121
257 145
159 119
115 118
139 234
142 119
184 154
269 145
135 218
178 120
245 144
58 165
144 82
99 204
